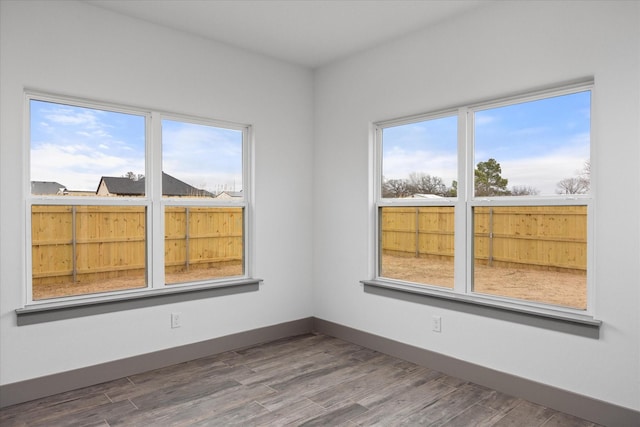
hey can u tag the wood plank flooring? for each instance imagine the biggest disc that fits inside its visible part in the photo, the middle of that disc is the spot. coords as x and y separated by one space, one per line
308 380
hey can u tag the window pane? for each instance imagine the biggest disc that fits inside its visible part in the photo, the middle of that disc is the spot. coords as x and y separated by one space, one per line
417 244
419 160
201 161
86 152
203 243
78 250
534 148
535 253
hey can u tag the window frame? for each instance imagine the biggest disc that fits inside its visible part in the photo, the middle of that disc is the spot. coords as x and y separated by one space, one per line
466 201
154 204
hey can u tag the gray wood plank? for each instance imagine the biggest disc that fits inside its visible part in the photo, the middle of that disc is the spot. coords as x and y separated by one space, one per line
476 415
292 414
447 407
308 380
525 413
336 416
395 407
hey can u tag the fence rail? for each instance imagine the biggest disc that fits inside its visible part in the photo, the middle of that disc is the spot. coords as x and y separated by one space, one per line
540 237
87 243
84 243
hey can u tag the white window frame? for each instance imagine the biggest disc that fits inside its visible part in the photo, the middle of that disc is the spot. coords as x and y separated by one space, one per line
465 202
152 201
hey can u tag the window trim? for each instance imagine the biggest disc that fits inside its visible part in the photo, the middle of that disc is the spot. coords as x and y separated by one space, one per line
154 206
464 203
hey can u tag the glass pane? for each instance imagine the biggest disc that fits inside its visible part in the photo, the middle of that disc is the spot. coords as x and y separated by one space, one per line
417 244
535 253
419 160
79 250
534 148
81 151
201 161
203 243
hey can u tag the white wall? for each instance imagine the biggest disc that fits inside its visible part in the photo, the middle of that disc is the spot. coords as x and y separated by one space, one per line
493 51
77 49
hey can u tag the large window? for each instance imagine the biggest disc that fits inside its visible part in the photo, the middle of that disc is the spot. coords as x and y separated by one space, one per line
490 200
124 199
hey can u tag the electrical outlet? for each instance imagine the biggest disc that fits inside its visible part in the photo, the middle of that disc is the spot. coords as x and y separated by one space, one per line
436 324
176 320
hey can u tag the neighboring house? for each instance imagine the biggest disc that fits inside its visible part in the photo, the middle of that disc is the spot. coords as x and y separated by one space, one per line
171 187
230 195
42 188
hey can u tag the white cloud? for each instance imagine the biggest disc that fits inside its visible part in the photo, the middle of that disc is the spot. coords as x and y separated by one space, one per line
78 167
203 156
399 163
484 119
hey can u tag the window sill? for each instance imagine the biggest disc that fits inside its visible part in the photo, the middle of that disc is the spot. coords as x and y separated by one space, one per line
49 312
572 323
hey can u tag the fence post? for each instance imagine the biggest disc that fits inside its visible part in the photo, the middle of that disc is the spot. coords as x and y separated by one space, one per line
490 237
74 262
186 236
417 225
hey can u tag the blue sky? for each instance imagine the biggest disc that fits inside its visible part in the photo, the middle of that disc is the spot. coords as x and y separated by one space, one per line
536 143
204 156
76 146
426 147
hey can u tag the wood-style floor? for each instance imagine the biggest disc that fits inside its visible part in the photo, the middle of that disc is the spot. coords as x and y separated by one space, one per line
310 380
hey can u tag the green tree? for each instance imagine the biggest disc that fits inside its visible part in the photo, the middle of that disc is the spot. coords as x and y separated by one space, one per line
488 181
453 190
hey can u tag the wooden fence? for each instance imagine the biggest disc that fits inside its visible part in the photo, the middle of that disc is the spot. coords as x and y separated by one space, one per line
537 237
74 244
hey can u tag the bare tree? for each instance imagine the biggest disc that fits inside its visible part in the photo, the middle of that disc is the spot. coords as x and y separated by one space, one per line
395 188
133 176
422 183
575 185
524 190
579 184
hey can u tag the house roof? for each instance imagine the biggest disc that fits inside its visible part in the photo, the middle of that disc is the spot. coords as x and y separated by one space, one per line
231 194
47 187
123 186
170 187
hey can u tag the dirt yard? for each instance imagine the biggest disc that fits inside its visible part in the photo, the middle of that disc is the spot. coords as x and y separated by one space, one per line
552 287
565 289
107 285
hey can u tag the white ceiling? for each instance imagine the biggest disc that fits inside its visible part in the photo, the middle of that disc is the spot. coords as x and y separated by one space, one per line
311 33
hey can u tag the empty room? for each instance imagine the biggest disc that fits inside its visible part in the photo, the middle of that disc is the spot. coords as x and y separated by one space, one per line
317 212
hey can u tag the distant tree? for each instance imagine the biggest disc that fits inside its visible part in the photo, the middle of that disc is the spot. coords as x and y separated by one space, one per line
579 184
575 185
395 188
523 190
453 190
133 176
422 183
488 181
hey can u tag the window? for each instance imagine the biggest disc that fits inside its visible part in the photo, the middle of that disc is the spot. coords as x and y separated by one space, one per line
490 201
419 173
128 200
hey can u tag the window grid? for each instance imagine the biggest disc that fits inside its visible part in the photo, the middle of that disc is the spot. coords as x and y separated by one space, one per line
466 201
152 201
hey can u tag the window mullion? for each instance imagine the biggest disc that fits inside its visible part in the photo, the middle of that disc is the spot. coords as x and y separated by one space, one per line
461 242
155 236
